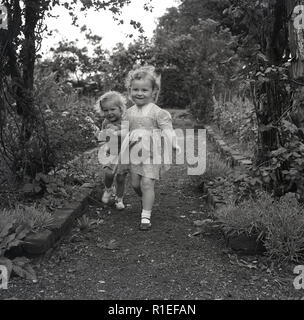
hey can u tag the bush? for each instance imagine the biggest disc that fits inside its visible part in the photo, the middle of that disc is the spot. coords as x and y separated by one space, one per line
65 114
237 119
216 167
34 216
279 224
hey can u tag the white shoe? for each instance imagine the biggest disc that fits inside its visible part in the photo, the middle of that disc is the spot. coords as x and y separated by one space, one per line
119 204
106 196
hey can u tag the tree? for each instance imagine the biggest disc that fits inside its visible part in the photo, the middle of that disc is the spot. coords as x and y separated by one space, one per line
19 45
194 49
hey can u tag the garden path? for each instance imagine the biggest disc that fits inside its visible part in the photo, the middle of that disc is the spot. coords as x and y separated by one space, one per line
114 260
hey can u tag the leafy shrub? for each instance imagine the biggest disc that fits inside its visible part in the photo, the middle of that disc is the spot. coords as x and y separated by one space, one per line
34 216
65 115
284 172
278 223
216 167
15 225
12 233
237 119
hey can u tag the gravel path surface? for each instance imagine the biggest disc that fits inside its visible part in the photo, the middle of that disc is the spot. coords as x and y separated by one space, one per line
114 260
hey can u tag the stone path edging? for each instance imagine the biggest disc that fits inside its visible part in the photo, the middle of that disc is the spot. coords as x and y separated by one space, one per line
240 243
38 243
234 158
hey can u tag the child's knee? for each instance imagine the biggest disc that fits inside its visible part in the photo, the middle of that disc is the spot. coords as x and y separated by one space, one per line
147 184
135 184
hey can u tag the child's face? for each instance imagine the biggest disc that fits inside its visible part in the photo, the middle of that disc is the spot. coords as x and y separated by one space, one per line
111 111
142 92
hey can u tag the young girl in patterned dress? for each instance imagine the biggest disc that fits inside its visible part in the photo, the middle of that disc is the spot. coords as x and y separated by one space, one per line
147 120
112 104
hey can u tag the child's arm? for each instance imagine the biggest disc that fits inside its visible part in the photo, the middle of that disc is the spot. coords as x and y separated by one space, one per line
101 135
164 121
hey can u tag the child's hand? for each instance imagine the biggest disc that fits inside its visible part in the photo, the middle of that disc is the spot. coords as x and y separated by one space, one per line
177 149
136 135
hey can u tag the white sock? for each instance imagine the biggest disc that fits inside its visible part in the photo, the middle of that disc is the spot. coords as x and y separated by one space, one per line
145 216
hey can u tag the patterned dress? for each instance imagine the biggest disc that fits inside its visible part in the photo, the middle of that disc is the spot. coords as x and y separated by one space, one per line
110 145
151 119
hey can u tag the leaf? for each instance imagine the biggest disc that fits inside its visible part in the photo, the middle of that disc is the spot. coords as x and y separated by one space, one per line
22 231
12 244
21 261
5 231
6 242
196 233
262 57
26 272
112 245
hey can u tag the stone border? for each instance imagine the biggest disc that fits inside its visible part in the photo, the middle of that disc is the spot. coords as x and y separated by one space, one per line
38 243
234 158
242 244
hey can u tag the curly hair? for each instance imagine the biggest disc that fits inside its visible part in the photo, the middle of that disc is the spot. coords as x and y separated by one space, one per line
115 97
146 72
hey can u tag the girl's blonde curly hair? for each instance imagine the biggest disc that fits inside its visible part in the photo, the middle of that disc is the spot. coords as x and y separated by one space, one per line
115 97
146 72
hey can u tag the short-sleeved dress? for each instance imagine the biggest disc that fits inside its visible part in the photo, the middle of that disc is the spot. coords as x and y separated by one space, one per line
104 137
151 119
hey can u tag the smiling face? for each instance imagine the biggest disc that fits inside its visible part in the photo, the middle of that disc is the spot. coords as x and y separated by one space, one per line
111 110
142 91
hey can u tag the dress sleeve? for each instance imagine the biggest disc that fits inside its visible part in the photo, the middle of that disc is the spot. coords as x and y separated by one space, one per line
101 135
164 120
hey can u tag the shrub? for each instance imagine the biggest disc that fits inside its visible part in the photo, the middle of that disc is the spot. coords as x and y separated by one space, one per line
216 167
237 119
15 225
36 217
278 223
65 114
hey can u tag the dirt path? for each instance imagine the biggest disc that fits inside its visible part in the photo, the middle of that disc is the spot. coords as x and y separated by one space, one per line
115 260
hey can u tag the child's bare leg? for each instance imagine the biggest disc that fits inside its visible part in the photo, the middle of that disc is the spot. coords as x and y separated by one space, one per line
108 178
120 188
147 187
108 181
120 184
135 181
148 193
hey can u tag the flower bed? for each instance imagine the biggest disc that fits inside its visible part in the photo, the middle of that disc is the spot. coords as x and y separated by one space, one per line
252 222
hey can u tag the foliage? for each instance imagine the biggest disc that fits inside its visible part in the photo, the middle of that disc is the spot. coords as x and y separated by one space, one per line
15 225
284 172
65 118
85 223
20 114
35 217
279 224
238 120
216 167
198 49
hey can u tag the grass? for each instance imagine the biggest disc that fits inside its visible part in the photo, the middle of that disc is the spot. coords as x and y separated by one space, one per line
216 167
37 217
278 223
